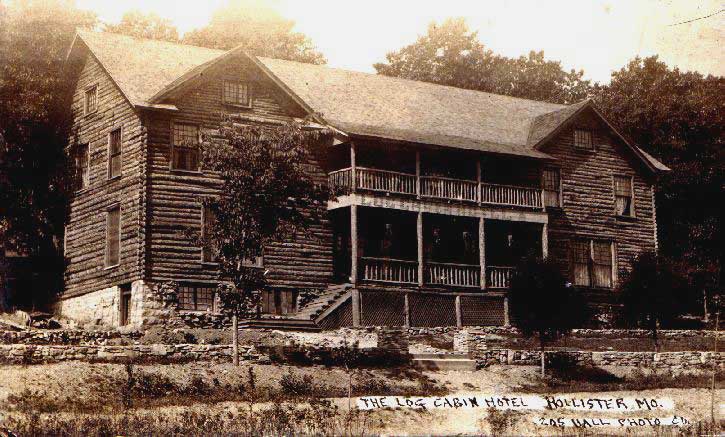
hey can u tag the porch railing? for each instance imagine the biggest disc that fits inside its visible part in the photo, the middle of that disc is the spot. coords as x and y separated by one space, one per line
389 270
437 187
449 188
461 275
499 276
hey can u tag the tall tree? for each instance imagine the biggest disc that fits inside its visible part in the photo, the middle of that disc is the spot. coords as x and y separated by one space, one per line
140 25
677 117
34 119
259 29
451 54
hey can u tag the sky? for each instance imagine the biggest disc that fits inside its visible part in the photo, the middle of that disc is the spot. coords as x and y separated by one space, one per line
596 36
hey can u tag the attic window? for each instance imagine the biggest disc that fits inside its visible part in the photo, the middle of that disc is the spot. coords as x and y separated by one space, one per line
91 102
583 139
237 93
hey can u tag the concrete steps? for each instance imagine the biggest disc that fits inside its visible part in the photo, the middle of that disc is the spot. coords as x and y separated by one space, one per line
287 324
443 362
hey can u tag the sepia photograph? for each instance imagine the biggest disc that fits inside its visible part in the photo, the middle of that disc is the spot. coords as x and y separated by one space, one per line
361 218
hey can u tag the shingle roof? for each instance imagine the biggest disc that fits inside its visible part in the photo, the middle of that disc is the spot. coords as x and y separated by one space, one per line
375 105
356 103
142 67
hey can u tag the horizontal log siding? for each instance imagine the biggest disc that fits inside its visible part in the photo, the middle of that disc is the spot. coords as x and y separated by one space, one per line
86 229
175 197
588 199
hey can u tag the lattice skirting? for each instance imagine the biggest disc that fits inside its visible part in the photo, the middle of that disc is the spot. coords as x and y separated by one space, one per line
382 308
339 318
482 311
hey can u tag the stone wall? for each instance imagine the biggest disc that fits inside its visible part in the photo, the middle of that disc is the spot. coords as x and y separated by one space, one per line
477 345
103 307
156 353
67 337
161 308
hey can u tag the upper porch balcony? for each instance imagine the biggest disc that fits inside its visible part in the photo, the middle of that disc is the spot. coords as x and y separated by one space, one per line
440 175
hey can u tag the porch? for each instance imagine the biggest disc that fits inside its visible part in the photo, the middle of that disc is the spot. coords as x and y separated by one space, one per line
450 176
434 251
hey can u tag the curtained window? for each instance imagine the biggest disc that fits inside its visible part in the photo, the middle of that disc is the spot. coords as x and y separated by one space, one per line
592 263
623 198
82 166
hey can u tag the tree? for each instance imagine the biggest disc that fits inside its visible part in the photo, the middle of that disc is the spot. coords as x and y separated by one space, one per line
140 25
651 294
677 117
259 29
543 304
34 124
450 54
268 194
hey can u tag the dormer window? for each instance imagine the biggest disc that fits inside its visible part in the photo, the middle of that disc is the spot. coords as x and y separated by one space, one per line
583 139
91 100
237 93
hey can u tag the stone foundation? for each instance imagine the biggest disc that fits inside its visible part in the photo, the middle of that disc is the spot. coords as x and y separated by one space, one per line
103 307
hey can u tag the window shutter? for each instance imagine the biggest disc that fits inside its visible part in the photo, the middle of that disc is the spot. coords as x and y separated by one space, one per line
113 243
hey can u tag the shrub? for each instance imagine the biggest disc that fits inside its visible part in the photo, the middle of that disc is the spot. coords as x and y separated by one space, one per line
298 386
501 421
152 385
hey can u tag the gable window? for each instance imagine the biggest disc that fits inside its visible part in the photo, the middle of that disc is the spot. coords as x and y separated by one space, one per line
113 236
195 297
236 93
592 263
623 196
583 139
552 187
114 153
82 166
209 252
91 100
185 147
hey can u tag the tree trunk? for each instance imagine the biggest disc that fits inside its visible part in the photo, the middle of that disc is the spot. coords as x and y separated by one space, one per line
714 365
235 340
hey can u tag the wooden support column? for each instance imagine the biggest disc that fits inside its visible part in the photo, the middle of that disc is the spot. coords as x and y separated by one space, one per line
506 321
353 168
417 173
479 194
406 311
355 307
420 248
353 244
482 251
544 240
459 319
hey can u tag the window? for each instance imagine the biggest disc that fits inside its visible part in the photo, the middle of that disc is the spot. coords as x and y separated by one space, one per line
583 139
196 297
623 196
257 261
552 187
237 93
82 167
125 301
91 100
209 252
113 236
592 262
279 302
185 147
114 153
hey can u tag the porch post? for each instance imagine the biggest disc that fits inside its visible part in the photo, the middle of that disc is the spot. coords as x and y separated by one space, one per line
353 244
506 321
459 319
355 307
353 170
482 251
420 248
406 311
478 179
417 173
545 240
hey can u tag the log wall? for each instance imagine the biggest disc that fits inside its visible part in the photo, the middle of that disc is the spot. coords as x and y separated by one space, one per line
86 229
588 199
304 261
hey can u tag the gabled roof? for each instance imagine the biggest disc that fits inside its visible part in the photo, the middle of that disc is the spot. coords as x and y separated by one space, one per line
359 104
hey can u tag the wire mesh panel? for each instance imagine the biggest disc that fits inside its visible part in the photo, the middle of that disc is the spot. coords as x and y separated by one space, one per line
429 310
482 311
381 308
340 317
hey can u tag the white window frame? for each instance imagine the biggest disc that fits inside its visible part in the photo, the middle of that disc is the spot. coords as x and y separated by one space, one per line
633 202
